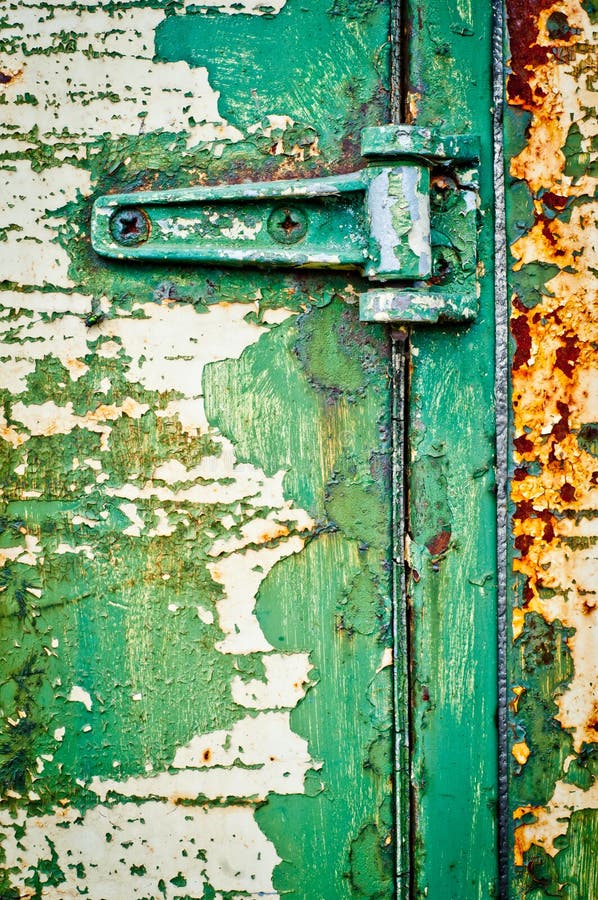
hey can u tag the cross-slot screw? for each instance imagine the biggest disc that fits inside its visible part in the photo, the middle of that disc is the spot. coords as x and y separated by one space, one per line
130 226
287 224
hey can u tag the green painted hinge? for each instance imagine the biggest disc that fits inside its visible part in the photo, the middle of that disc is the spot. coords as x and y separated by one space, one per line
407 221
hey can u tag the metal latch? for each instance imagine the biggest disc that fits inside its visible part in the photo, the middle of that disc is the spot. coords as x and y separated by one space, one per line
407 221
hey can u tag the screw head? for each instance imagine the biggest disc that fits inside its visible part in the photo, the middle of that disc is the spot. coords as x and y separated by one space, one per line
130 226
445 262
287 224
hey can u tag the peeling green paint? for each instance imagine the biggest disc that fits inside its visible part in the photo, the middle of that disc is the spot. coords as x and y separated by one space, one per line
343 67
451 504
340 409
195 603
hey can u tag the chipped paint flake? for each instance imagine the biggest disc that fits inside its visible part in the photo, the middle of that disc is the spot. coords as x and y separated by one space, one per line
552 821
520 752
241 575
286 679
28 219
80 695
247 7
260 754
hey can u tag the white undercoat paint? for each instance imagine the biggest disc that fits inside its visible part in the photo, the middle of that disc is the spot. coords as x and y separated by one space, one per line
197 844
123 91
215 765
80 98
241 575
552 821
30 255
80 695
233 7
284 685
278 758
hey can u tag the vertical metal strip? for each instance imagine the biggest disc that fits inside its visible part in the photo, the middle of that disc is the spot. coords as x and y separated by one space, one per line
396 71
400 358
502 425
451 502
401 639
399 61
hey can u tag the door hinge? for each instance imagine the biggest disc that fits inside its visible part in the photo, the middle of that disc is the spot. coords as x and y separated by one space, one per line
407 221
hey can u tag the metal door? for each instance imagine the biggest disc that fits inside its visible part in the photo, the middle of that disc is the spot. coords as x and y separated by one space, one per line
205 688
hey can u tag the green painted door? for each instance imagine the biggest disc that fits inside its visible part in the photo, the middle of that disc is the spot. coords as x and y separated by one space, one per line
214 478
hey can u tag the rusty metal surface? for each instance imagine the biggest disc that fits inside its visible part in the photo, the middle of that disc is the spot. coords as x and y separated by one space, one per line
551 140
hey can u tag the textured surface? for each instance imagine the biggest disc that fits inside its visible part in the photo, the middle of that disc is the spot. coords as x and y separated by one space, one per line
551 139
196 525
452 503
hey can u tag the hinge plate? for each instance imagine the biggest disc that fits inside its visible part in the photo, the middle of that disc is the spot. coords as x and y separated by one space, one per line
407 220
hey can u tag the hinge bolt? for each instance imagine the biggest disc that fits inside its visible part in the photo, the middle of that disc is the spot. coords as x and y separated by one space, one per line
130 226
287 224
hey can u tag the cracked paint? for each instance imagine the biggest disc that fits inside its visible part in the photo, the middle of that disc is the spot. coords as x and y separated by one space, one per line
285 676
182 590
554 492
28 222
132 850
74 95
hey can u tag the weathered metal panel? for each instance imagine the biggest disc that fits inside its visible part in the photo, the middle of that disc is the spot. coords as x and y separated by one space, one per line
551 139
196 642
451 551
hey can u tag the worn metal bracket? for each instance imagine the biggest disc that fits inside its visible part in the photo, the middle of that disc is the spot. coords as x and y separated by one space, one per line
407 220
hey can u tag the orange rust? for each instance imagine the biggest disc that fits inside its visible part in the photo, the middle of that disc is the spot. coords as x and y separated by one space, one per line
273 532
521 845
518 622
554 380
439 543
522 842
521 752
518 690
9 76
177 799
521 811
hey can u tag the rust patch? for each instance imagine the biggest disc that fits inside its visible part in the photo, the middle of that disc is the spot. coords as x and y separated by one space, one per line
520 752
9 77
555 395
522 842
522 334
439 543
518 690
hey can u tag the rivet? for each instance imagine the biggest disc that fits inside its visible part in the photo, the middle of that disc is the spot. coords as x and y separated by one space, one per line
130 226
